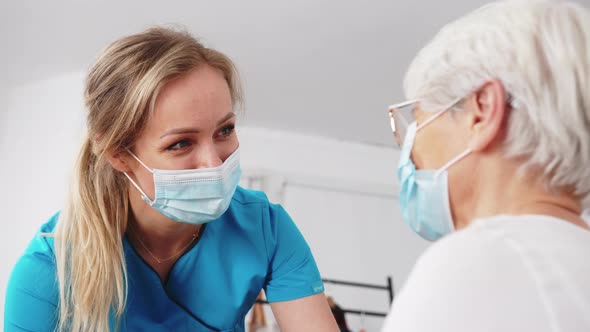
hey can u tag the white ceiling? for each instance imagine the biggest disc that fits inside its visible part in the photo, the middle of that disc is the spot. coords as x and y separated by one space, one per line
328 68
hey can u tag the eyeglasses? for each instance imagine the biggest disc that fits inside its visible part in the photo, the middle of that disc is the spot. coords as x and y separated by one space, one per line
401 117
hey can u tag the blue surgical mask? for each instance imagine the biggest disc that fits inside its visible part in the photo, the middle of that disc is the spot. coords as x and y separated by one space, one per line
424 194
194 196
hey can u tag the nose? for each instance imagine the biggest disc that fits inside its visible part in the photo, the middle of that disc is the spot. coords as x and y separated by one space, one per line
207 156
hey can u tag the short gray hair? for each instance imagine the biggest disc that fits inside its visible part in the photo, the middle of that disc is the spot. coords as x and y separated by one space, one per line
540 51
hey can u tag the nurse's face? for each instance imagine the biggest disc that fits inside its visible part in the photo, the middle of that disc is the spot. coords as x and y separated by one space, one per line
192 126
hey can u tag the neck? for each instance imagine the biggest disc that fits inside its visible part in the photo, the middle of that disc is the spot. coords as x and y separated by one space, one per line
506 190
162 236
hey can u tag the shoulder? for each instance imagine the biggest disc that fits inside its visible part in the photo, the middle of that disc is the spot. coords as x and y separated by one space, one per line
41 246
32 290
39 254
247 208
527 241
480 250
250 215
504 238
249 205
481 272
251 211
244 196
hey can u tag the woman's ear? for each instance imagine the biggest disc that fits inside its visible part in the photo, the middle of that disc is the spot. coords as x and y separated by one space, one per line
488 114
119 161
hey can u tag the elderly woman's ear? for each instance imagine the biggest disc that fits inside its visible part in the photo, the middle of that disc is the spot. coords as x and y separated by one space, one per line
487 113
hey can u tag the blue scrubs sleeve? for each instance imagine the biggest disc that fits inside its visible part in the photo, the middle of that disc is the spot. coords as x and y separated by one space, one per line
293 272
31 296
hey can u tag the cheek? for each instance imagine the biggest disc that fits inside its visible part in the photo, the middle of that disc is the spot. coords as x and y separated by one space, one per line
145 180
428 152
462 181
228 147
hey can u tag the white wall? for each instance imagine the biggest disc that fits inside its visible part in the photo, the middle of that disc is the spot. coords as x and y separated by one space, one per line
40 124
341 194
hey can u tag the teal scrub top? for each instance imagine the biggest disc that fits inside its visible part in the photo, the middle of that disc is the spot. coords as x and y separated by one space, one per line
255 245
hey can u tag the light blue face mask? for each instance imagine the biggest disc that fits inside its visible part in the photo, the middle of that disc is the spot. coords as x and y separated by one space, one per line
194 196
424 194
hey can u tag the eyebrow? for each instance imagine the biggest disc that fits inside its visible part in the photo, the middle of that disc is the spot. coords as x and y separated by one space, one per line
190 130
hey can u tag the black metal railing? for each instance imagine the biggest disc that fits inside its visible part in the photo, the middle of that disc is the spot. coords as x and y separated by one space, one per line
388 287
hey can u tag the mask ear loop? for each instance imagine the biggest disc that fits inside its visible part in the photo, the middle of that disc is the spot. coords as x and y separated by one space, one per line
453 161
133 182
436 116
439 113
141 162
432 118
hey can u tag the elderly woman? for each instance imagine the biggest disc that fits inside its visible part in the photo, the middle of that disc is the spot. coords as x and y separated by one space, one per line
496 145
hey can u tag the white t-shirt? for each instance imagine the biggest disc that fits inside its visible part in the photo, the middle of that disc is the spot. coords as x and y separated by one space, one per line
505 273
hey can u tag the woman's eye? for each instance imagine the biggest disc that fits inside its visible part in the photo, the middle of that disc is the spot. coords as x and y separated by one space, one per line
227 131
178 145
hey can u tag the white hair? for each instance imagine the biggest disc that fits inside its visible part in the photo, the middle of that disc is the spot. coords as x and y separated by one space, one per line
540 51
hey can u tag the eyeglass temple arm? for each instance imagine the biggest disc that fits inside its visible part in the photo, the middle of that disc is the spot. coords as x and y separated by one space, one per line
393 107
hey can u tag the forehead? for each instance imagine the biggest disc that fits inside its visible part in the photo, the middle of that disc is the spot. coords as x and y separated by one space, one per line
200 96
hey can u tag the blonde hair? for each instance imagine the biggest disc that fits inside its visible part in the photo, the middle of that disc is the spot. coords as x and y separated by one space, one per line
121 90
